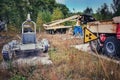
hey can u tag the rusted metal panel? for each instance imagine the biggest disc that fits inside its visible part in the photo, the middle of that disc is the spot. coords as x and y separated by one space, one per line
102 27
116 19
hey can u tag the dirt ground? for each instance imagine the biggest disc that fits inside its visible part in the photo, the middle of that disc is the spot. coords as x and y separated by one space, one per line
68 63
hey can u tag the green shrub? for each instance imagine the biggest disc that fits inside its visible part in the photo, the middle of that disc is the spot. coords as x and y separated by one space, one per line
18 77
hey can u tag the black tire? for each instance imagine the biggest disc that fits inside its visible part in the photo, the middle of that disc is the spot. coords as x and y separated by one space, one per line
52 32
95 46
6 56
111 47
46 49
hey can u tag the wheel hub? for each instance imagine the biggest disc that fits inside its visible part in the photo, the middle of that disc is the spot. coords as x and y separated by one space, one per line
110 47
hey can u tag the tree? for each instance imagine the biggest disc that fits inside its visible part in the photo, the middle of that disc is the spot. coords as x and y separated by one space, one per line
42 17
39 21
116 7
64 9
88 11
57 14
14 12
103 13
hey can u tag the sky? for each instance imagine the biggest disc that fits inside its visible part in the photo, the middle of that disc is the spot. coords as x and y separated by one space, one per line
81 5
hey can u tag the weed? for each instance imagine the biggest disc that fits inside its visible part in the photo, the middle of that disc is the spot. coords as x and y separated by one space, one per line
17 77
68 64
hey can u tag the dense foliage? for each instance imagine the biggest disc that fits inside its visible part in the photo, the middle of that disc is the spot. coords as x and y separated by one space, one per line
14 12
42 17
103 13
88 11
57 14
116 7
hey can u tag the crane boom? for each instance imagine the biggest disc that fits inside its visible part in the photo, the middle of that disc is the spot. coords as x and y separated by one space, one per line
60 21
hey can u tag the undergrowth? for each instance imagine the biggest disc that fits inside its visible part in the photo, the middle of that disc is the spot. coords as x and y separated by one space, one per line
68 64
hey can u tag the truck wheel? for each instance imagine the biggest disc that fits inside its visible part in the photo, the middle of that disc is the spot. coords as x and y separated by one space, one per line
111 47
95 46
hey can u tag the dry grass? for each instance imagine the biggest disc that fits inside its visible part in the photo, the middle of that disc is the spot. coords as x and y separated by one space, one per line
68 64
6 37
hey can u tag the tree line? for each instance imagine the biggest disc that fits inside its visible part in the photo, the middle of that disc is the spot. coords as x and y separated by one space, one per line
104 12
14 12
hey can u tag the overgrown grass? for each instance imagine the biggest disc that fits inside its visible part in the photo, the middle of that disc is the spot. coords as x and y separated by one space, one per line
17 77
68 64
77 65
